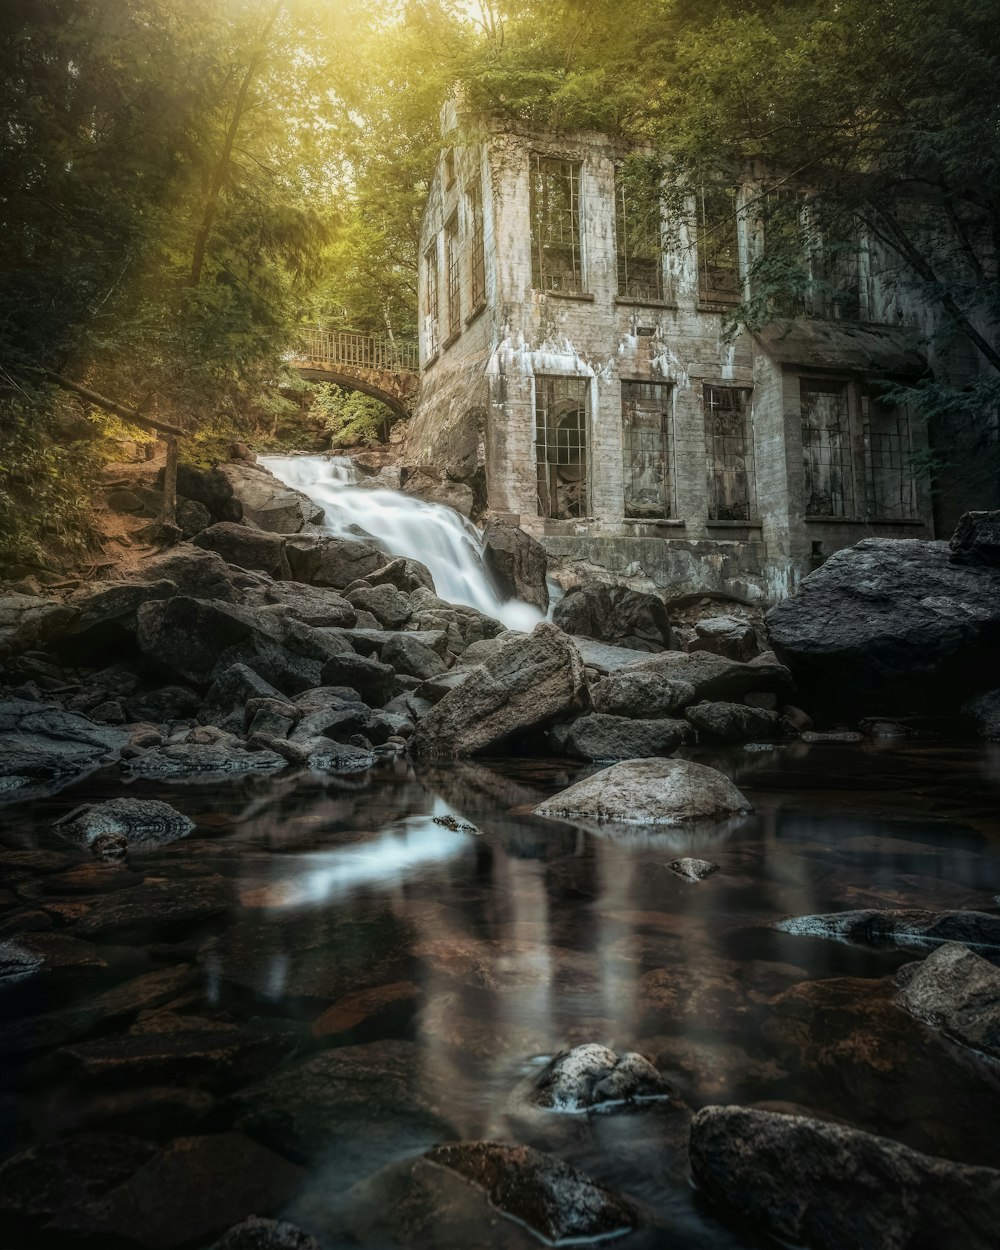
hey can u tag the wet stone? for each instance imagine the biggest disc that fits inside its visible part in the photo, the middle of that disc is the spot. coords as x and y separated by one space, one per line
110 848
261 1234
592 1075
958 991
356 1009
902 927
693 869
155 903
194 761
142 822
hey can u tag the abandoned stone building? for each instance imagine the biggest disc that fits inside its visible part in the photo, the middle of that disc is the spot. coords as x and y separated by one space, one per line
573 350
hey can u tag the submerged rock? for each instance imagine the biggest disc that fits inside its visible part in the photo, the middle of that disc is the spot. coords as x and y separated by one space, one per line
617 615
592 1075
693 869
139 821
956 991
830 1187
193 761
649 792
900 927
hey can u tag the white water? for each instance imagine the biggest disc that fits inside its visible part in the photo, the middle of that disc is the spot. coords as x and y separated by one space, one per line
439 537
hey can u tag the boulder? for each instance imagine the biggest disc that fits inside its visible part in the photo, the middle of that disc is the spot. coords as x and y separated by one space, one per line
642 695
108 609
601 737
727 636
405 574
28 622
315 605
43 748
983 712
267 502
323 755
142 822
464 626
734 722
247 548
957 991
534 679
902 927
390 607
976 539
810 1182
204 762
516 562
406 653
892 625
261 1234
437 488
649 792
226 702
716 678
192 517
210 488
693 869
595 1076
196 573
322 560
372 679
617 615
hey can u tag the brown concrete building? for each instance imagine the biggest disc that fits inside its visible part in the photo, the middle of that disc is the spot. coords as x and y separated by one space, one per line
573 352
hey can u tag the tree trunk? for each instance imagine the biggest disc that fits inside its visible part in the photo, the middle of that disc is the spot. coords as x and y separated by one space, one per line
118 410
168 513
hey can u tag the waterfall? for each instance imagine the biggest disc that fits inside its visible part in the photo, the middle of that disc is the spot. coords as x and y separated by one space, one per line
437 536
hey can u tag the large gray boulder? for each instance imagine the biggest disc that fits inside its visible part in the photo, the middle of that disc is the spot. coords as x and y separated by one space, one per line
27 622
642 695
322 560
516 562
247 548
601 737
267 502
976 539
195 572
727 636
957 991
649 792
532 680
464 626
715 678
829 1187
734 722
615 614
43 748
893 625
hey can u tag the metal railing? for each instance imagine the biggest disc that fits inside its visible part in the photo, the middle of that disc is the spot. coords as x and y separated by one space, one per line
362 351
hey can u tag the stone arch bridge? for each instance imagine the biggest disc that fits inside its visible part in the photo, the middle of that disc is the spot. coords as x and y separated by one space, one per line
388 369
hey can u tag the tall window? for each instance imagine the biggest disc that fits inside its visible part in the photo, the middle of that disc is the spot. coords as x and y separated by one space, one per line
431 299
645 449
555 225
561 411
638 230
477 243
889 478
453 269
730 453
826 449
836 268
718 245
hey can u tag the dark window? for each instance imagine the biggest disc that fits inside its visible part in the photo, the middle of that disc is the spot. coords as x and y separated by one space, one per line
836 269
449 167
889 478
453 268
826 449
718 247
555 225
477 245
431 299
638 230
730 452
561 409
645 449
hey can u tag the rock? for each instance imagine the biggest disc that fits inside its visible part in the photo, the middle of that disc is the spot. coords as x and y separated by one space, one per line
49 747
165 703
248 548
892 625
834 736
192 761
109 848
390 607
595 1076
27 622
900 927
267 502
734 722
370 678
726 636
106 610
407 654
983 710
226 702
957 991
693 869
463 625
196 573
436 488
405 574
260 1234
715 678
192 517
516 562
322 560
34 955
794 720
142 822
531 680
615 614
326 756
976 539
210 488
602 737
355 1009
649 792
641 695
123 501
353 1098
315 605
831 1187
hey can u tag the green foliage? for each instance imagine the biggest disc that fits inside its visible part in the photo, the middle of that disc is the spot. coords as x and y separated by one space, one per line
350 417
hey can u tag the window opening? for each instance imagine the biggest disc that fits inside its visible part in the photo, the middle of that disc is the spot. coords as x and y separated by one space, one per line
826 449
449 167
555 225
645 449
453 271
730 454
431 299
718 245
561 414
477 243
889 478
639 231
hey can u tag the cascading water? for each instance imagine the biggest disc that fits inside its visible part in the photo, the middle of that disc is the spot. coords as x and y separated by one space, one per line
439 537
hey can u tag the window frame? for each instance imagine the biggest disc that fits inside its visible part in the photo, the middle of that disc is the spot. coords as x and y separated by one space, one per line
747 466
554 403
630 407
547 276
708 291
650 257
453 277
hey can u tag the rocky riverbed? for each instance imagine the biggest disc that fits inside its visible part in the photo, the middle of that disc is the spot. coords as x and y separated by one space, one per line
311 877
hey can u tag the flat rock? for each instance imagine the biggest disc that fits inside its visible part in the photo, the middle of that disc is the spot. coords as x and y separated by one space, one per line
903 927
157 903
143 822
247 548
47 746
201 762
957 991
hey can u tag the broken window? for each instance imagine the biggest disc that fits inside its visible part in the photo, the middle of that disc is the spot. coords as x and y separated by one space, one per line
477 245
452 261
889 478
826 449
449 167
645 449
718 244
638 230
782 272
561 419
730 452
555 225
431 299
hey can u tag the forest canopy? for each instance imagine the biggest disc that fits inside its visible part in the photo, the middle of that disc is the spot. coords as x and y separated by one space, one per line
183 185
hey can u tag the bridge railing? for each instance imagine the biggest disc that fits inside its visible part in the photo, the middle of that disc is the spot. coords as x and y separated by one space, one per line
362 351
